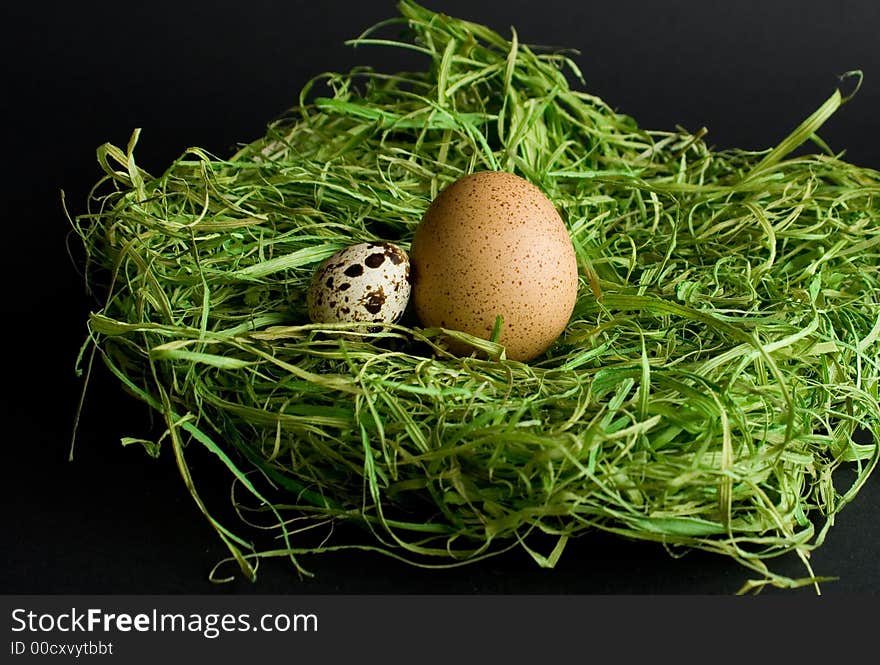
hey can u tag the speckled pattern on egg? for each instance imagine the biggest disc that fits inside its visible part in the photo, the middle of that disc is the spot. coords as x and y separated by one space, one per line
492 244
364 282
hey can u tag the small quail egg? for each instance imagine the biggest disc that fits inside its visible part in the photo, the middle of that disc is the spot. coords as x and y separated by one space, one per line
364 282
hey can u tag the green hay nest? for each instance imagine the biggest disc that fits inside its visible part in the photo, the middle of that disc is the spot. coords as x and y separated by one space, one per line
707 393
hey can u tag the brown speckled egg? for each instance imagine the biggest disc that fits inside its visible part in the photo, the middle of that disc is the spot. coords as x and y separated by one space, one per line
364 282
492 244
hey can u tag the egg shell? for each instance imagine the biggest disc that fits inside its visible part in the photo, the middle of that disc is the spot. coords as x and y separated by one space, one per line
363 282
490 244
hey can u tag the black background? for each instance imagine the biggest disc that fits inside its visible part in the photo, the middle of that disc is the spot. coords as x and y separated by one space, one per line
211 74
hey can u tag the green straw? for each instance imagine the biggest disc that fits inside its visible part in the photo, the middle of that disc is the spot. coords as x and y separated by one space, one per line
708 392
